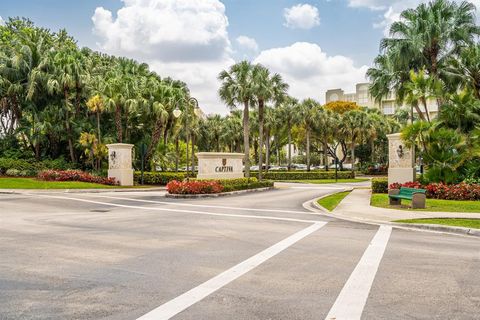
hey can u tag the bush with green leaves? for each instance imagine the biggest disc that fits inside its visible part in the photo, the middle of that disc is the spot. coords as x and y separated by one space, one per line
380 185
241 183
159 178
31 167
305 175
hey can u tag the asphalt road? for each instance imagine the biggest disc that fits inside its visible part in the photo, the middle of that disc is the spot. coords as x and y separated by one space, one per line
254 256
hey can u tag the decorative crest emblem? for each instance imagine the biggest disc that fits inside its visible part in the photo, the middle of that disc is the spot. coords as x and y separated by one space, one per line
224 162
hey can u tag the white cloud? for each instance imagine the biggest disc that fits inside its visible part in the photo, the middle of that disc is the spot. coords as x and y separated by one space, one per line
170 30
184 39
247 43
310 71
392 9
301 16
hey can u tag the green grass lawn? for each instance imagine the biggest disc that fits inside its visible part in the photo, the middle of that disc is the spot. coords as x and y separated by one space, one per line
466 223
381 200
325 181
332 201
32 183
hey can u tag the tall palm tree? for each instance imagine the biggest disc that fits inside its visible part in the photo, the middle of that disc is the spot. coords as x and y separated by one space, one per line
267 88
419 90
289 113
308 114
465 70
424 37
237 88
351 121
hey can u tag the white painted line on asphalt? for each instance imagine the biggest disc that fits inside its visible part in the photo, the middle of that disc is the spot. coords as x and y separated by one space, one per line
189 298
200 205
231 215
353 297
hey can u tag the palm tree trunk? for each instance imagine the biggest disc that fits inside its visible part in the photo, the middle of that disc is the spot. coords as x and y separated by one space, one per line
246 138
98 128
308 149
156 135
372 147
267 151
424 102
118 123
353 155
260 133
289 147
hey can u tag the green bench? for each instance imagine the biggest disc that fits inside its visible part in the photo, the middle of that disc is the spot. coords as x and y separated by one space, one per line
417 196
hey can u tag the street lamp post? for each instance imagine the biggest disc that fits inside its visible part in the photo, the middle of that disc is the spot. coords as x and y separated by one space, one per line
177 113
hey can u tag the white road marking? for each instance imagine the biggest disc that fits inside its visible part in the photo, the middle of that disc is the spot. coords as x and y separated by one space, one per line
182 302
200 205
353 297
183 211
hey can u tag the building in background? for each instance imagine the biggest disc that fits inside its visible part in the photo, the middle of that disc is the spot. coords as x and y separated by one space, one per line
388 105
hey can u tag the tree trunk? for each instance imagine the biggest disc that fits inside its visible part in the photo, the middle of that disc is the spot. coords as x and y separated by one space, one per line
289 147
118 123
353 155
267 151
325 155
372 147
308 149
177 151
98 128
246 138
156 135
193 155
424 102
260 133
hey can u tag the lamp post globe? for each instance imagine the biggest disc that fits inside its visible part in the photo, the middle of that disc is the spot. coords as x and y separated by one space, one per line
177 112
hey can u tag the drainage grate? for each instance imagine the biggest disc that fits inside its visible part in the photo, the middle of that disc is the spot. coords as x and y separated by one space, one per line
99 210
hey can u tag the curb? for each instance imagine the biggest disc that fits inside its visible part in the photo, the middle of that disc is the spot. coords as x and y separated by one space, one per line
459 231
314 203
216 195
30 191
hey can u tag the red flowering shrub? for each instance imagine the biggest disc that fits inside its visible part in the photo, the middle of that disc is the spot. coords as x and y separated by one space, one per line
461 191
194 187
413 185
74 175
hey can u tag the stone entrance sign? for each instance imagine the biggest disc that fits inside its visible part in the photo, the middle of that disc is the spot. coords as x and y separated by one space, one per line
120 163
401 167
219 165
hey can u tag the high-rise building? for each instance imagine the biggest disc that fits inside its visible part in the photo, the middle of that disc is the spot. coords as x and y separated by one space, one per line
363 98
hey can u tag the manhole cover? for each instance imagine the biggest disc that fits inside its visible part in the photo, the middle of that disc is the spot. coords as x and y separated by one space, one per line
99 210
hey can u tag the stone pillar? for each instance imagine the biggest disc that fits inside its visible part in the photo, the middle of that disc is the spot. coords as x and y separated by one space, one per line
401 167
120 163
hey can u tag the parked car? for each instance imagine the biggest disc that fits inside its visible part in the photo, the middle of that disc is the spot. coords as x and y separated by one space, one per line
278 168
297 166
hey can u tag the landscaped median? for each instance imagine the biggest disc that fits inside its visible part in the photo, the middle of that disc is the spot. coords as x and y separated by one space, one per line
454 222
332 201
193 188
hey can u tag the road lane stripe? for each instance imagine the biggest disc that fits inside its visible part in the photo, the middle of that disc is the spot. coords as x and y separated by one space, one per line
231 215
189 298
200 205
353 297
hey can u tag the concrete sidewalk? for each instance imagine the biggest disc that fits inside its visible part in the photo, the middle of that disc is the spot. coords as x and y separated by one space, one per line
357 206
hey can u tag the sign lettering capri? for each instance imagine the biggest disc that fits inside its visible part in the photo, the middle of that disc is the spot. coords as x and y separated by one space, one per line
220 165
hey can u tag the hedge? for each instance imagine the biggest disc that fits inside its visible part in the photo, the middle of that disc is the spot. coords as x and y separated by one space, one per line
159 178
380 185
21 167
305 175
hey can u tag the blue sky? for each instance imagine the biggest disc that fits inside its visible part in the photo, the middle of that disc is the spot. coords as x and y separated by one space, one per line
315 45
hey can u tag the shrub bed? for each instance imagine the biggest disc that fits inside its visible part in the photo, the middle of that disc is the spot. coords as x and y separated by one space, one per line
380 185
461 191
159 178
305 175
23 168
194 186
74 175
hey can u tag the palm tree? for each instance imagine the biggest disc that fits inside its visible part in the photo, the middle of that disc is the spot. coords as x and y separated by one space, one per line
352 122
237 88
95 105
419 90
465 70
308 114
267 88
289 113
424 37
